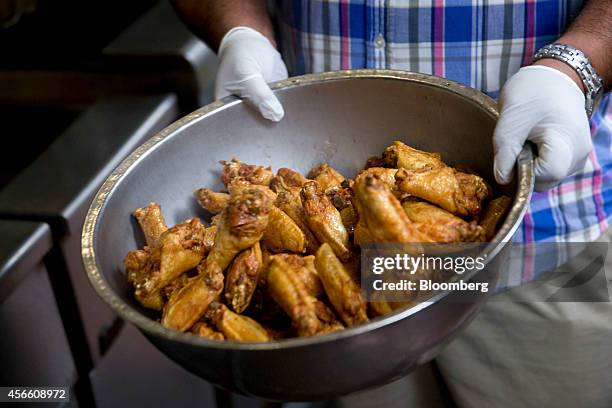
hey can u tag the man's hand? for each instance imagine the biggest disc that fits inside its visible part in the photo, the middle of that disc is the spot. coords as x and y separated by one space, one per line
242 33
545 106
248 61
544 103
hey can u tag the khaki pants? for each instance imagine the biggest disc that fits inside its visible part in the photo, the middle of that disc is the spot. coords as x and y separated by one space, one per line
534 354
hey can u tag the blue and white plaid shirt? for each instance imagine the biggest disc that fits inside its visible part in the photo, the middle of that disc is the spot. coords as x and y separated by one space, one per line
480 43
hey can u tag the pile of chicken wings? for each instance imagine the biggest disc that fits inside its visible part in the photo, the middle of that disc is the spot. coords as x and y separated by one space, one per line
280 257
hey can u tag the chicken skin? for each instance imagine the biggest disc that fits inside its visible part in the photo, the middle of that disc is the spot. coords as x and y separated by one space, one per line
291 178
326 176
401 156
234 326
178 250
440 225
242 224
344 294
240 184
242 277
309 315
289 202
380 214
151 222
460 193
324 220
234 168
188 305
211 201
283 234
305 269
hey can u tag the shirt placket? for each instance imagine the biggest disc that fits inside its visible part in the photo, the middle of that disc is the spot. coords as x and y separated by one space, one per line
376 48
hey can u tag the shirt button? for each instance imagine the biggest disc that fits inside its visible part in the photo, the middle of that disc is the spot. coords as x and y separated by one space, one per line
379 42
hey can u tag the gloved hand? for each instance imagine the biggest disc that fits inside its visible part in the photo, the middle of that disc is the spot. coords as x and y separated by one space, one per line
545 106
248 61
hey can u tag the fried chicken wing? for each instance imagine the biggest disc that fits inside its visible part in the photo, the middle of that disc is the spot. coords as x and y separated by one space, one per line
309 315
235 326
459 193
326 176
204 330
234 168
305 270
380 214
151 222
440 225
289 202
494 212
324 220
242 224
211 201
291 178
386 175
240 184
282 233
179 249
399 155
344 294
241 278
188 305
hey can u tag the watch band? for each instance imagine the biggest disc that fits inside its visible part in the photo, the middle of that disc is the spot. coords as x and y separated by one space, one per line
583 67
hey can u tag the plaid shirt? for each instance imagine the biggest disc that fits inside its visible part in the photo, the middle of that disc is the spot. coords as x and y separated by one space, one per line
480 43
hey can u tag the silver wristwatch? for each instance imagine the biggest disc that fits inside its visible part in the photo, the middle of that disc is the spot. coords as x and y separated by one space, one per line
581 64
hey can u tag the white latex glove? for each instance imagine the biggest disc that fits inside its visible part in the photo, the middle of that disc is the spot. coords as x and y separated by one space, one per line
248 61
545 106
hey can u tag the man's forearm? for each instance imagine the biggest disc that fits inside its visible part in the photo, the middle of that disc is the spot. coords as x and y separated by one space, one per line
591 33
211 19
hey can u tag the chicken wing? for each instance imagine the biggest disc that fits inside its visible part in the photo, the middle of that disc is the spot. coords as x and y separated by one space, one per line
380 214
305 270
399 155
253 174
386 175
459 193
211 201
494 212
309 315
290 177
242 224
344 294
440 225
241 278
282 233
326 176
235 326
288 200
151 222
240 184
179 249
204 330
324 220
188 305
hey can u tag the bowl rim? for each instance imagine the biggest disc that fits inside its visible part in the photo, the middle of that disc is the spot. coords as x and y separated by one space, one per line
525 182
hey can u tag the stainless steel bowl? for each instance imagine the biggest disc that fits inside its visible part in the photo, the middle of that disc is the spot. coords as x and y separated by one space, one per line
340 117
